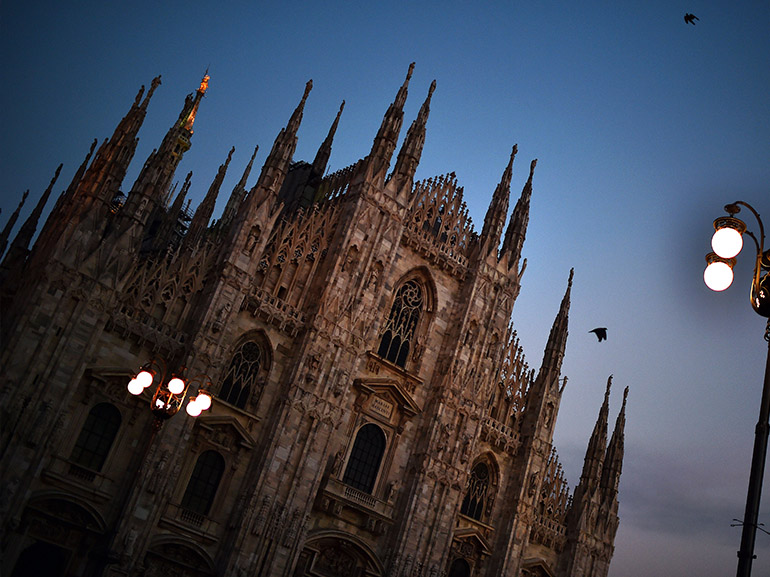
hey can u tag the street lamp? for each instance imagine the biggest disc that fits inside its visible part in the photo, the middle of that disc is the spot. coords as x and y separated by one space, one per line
169 395
727 242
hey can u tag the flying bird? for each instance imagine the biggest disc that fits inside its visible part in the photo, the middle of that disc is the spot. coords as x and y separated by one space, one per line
690 18
601 333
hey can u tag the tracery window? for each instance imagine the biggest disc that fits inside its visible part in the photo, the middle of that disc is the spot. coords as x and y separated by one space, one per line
476 495
365 458
203 484
242 374
396 339
96 437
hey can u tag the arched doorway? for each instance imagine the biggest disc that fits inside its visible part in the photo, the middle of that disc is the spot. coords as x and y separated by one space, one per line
40 559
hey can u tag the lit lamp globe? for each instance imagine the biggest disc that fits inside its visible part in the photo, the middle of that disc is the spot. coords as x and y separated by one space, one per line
144 378
718 276
176 386
727 242
193 408
203 400
135 387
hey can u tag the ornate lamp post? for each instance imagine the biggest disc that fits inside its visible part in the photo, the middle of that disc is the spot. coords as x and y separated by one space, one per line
170 394
727 243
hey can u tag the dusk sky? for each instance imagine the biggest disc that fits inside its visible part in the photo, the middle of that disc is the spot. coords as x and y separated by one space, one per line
644 127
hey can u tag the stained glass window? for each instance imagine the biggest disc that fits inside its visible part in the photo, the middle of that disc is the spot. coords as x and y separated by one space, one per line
396 339
96 437
241 374
365 458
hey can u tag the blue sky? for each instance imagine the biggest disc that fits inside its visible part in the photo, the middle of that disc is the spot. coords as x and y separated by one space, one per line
643 126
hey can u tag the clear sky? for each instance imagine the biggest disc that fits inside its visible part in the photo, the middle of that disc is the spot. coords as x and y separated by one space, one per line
644 128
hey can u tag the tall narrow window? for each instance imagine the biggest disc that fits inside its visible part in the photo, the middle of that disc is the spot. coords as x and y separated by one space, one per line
203 483
365 458
396 339
96 437
476 495
241 374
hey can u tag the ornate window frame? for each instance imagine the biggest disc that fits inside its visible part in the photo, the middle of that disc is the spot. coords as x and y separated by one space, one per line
258 379
421 278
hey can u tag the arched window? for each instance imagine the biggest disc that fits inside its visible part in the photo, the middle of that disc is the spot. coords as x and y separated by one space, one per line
459 568
242 374
365 458
96 437
476 496
203 483
396 339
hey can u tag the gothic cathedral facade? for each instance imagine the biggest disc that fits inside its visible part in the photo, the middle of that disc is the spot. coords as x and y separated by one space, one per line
372 410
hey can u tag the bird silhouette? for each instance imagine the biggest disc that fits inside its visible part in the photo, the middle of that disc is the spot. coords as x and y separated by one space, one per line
690 18
601 333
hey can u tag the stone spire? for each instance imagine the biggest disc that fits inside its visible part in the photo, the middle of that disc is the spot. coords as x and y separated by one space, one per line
411 149
494 221
17 253
10 224
102 180
277 163
325 150
387 136
517 227
206 208
155 178
597 445
237 195
63 212
557 339
613 461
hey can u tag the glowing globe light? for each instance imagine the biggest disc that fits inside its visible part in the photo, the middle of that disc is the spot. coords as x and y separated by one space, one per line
193 408
727 242
176 385
144 378
718 276
135 387
203 400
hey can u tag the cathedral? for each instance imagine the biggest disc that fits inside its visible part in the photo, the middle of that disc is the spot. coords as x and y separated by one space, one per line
324 381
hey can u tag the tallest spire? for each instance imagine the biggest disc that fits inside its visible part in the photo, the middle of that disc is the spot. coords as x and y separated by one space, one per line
188 120
154 180
387 136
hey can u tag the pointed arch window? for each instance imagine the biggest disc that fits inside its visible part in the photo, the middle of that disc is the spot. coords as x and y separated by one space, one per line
96 437
476 495
204 482
241 374
397 337
365 458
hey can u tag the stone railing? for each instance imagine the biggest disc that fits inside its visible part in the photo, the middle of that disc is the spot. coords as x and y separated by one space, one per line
200 527
275 311
500 435
128 321
338 494
548 532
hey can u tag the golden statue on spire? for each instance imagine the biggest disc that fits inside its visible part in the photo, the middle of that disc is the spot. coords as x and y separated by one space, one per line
204 83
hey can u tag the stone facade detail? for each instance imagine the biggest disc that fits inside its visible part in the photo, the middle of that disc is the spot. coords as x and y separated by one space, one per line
373 414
